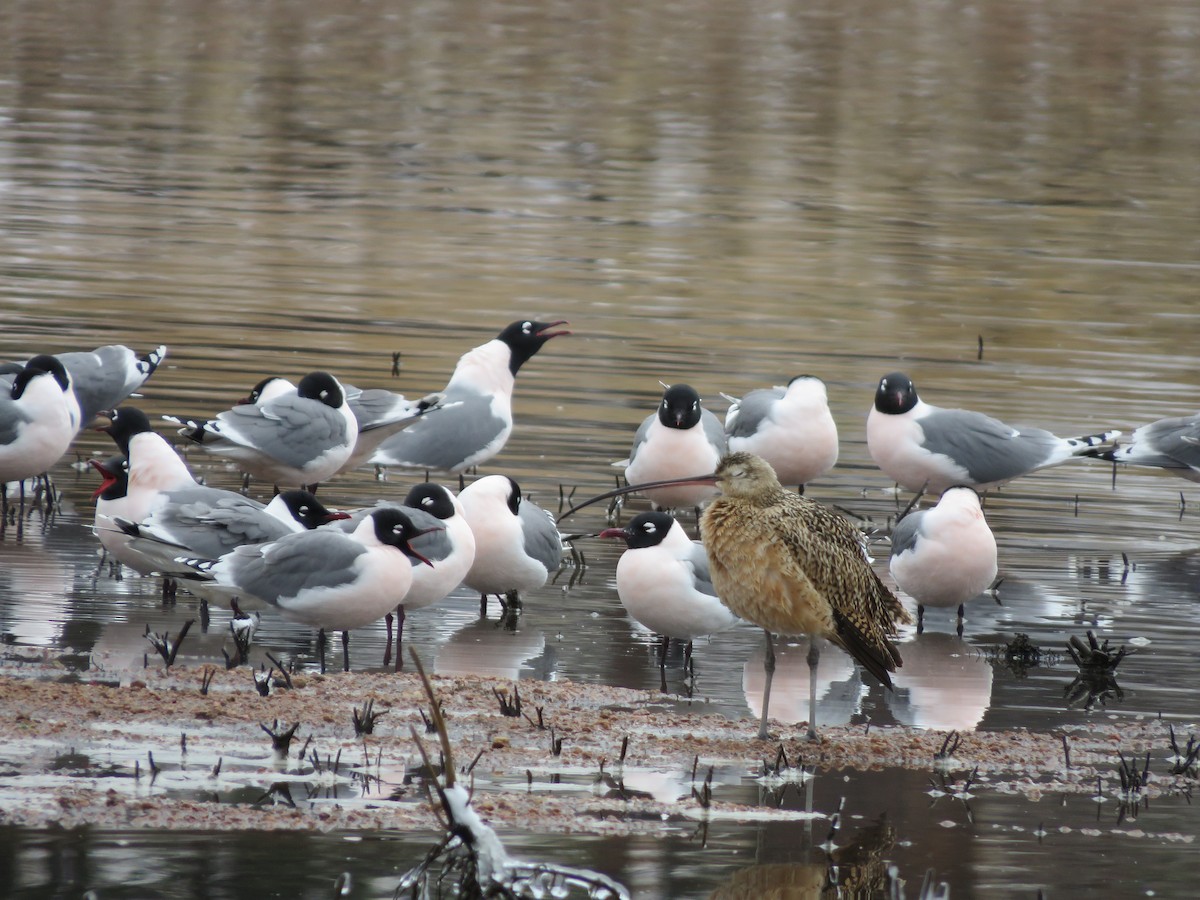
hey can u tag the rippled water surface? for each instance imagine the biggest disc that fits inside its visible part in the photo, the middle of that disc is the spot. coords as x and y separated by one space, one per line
723 194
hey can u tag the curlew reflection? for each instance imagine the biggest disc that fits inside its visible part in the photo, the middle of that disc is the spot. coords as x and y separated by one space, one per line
839 686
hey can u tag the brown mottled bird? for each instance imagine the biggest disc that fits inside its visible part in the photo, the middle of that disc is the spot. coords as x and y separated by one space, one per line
793 566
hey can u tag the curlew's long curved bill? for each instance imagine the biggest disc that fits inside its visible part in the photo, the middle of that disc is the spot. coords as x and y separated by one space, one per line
710 478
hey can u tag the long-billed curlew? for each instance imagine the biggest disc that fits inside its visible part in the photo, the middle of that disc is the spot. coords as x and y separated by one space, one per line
920 446
793 566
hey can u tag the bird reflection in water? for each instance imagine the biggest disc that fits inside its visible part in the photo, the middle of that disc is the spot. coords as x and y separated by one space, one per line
945 685
858 869
839 686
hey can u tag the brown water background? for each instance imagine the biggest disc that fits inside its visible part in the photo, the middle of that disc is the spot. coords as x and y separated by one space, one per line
724 194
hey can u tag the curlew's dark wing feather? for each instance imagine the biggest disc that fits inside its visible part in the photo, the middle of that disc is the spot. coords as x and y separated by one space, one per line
879 661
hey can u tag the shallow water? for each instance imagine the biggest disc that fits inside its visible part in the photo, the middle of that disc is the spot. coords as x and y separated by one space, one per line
722 194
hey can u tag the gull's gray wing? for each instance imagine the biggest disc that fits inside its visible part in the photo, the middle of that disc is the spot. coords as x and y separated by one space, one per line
542 540
211 522
697 560
300 561
444 441
750 412
12 419
987 448
106 376
639 437
290 429
714 431
1170 443
376 407
907 532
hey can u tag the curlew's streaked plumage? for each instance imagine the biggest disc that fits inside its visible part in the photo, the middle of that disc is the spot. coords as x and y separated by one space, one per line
793 566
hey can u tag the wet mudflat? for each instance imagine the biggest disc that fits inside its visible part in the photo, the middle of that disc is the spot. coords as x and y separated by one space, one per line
718 195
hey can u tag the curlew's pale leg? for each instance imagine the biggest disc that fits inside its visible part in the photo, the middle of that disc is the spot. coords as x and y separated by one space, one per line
814 657
769 669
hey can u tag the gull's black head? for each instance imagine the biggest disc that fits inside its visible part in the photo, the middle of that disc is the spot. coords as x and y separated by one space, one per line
126 422
431 498
680 407
322 386
792 381
896 394
514 496
646 529
54 366
395 528
525 338
40 365
115 474
308 510
256 392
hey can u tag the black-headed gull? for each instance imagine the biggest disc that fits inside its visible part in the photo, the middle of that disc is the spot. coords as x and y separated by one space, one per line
293 440
38 419
379 413
945 555
476 420
447 542
517 545
326 578
663 580
153 464
920 446
451 550
789 426
680 438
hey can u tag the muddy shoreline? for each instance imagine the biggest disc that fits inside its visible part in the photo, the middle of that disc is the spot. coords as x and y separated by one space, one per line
80 750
